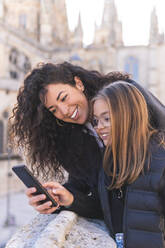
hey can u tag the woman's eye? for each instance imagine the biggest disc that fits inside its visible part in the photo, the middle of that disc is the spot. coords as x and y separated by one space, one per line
63 99
107 119
53 111
94 122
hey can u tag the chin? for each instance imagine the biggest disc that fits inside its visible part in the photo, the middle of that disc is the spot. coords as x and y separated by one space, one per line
82 120
105 143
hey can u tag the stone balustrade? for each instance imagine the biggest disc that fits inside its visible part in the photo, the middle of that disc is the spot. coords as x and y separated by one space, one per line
63 230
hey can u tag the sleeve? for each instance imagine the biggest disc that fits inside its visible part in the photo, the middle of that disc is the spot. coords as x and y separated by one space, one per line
155 107
83 178
86 200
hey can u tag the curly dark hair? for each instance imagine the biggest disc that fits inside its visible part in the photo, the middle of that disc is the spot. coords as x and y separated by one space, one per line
46 144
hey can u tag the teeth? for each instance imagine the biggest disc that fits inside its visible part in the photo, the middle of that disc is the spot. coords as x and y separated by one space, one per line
104 135
74 114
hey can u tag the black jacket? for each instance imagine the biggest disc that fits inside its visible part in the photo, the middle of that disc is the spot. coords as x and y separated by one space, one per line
143 221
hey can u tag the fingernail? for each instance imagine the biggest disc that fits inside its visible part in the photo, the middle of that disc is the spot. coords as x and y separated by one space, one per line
43 196
49 203
54 191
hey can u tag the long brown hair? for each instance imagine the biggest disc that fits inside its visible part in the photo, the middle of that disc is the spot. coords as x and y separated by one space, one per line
130 133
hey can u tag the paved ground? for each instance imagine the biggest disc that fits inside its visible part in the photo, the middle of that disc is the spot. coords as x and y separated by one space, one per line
19 213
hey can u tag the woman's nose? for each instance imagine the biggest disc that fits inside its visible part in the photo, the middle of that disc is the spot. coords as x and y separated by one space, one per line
64 109
100 124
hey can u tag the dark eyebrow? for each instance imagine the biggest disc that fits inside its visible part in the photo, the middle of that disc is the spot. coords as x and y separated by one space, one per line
59 95
56 99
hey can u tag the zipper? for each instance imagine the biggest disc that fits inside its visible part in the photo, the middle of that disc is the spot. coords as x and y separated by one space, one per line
104 192
124 215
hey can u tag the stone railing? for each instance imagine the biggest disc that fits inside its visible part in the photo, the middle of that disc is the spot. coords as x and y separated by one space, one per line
65 230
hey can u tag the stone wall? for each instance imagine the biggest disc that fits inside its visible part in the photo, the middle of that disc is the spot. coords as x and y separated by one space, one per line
65 230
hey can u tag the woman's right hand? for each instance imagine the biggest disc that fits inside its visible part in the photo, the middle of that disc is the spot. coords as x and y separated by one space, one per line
34 201
59 193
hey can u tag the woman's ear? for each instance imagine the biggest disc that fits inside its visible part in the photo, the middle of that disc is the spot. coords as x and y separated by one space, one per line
79 84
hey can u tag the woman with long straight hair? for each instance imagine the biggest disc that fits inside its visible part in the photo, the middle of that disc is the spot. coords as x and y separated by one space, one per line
131 183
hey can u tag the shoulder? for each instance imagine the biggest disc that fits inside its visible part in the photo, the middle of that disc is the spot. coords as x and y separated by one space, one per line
157 153
137 85
156 145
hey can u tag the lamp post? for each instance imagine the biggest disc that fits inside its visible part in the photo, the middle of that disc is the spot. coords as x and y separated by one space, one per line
10 219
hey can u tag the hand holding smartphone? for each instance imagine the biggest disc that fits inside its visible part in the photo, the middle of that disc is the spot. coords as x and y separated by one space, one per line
30 180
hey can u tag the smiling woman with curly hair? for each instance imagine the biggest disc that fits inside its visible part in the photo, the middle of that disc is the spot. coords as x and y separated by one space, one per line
51 122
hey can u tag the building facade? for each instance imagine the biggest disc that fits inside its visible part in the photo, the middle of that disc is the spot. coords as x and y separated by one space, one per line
34 31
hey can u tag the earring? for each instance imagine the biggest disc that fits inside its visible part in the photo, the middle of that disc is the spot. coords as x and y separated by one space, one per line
81 87
60 124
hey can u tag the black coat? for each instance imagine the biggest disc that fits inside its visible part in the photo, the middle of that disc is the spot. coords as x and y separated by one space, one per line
143 221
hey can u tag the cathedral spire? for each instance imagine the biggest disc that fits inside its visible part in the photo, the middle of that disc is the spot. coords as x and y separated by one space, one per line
46 15
109 13
155 36
54 22
61 27
78 33
110 31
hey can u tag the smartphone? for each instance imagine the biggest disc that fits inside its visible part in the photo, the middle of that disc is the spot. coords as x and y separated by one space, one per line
30 180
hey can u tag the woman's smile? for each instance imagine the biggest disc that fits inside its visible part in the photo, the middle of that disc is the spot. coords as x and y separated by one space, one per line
67 103
75 114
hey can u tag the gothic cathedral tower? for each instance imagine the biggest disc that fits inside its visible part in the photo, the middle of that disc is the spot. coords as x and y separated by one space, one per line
110 31
54 23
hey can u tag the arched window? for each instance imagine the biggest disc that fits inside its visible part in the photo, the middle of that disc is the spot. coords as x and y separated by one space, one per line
13 57
26 64
132 66
19 64
1 136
